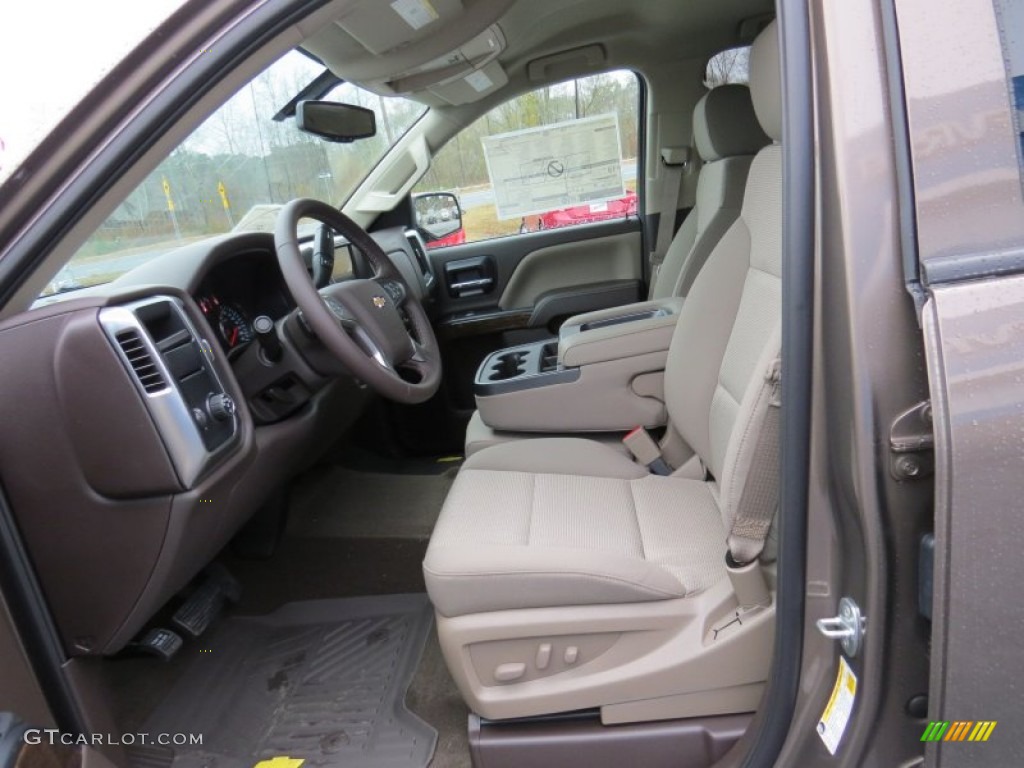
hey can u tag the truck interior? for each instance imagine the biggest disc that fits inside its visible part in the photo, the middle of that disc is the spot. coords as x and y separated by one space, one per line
322 490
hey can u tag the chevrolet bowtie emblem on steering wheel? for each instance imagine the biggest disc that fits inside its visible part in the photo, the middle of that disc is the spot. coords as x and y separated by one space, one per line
379 302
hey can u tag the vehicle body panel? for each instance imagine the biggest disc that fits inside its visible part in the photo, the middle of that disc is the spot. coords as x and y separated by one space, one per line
970 230
867 369
583 214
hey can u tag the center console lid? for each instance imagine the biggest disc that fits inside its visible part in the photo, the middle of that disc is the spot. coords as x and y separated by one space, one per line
612 334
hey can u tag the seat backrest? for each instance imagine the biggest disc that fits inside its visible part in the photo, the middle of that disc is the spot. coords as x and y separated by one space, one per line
727 135
731 318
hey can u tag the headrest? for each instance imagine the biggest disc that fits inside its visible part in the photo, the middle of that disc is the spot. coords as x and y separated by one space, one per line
766 81
724 124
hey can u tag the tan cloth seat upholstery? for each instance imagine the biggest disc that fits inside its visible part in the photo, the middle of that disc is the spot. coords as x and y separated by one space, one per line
580 524
727 135
570 522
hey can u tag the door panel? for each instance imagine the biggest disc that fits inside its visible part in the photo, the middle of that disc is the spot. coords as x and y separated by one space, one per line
594 253
568 266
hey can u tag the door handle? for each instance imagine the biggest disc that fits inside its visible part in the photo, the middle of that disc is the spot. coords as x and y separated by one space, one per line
482 285
470 277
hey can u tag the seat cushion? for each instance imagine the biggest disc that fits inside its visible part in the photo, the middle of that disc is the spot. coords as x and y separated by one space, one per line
564 521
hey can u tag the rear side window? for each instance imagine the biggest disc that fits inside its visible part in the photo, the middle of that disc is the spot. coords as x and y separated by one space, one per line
730 66
1010 15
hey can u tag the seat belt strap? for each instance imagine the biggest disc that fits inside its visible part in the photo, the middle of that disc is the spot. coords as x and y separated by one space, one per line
673 162
759 497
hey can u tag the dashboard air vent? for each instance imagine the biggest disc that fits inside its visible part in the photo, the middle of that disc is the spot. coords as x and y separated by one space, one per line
141 361
416 244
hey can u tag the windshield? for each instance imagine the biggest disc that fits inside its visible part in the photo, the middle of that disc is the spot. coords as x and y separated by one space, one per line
235 171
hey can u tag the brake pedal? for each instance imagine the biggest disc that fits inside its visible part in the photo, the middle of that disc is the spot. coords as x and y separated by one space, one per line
157 642
203 606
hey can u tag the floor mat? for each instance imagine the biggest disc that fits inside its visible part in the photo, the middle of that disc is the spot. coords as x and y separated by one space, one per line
345 503
323 681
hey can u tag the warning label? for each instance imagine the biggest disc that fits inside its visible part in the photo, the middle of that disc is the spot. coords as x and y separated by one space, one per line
561 165
837 712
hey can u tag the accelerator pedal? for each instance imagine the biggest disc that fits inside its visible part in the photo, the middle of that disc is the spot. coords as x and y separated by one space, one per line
203 606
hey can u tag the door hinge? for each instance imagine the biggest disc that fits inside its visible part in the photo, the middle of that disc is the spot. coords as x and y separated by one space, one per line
911 441
848 627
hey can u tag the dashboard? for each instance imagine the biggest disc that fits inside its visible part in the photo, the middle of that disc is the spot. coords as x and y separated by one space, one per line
172 422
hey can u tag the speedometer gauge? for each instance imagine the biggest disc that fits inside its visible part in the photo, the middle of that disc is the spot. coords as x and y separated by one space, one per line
233 327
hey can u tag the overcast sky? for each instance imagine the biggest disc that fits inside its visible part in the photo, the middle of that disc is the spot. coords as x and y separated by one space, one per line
51 54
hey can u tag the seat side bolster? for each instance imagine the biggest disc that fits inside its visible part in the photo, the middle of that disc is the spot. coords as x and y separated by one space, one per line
464 580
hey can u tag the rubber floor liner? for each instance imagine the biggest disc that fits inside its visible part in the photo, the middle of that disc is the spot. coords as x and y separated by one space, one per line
323 681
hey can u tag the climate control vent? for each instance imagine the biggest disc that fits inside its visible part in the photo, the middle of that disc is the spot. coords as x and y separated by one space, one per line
420 252
141 361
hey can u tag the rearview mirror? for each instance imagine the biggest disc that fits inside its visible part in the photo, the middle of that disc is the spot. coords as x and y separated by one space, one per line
334 121
438 215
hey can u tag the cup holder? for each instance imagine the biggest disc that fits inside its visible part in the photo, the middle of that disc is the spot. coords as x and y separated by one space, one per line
549 357
524 367
508 366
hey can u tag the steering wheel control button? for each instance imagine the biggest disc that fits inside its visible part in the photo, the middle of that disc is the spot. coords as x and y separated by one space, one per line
506 673
220 407
394 289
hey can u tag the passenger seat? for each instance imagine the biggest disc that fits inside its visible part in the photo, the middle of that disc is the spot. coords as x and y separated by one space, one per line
567 577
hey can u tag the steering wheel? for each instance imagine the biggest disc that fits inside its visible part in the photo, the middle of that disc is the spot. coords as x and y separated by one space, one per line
361 321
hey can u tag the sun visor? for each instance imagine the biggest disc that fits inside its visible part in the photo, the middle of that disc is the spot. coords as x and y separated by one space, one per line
383 25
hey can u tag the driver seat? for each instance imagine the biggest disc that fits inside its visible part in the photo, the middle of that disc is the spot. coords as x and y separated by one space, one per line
565 576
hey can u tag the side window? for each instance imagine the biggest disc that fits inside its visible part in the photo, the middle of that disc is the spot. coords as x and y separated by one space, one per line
558 156
730 66
1010 14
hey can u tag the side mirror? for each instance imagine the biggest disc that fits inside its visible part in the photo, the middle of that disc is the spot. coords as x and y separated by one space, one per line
334 121
438 214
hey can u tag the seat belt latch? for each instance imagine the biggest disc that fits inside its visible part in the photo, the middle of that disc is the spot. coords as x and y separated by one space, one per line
646 451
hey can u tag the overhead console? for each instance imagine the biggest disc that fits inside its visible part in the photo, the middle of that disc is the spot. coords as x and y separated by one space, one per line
458 77
447 48
172 368
605 372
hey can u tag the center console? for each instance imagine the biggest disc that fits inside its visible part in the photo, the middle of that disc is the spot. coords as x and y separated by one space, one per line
603 373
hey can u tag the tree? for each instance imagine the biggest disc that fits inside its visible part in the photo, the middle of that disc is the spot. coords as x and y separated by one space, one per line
731 66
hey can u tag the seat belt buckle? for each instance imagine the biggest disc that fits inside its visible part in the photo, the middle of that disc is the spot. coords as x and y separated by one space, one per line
646 451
